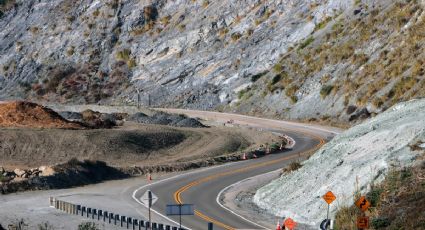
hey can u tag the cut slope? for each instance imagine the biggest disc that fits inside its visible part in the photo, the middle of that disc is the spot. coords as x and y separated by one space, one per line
351 161
30 115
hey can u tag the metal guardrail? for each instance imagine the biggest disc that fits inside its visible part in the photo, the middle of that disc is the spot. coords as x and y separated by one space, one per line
107 217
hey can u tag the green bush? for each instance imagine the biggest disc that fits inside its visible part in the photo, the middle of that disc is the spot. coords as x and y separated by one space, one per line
276 79
236 36
88 226
307 42
255 77
380 222
326 90
374 196
123 55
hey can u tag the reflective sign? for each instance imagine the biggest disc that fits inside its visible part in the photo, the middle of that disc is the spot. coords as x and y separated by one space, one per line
180 209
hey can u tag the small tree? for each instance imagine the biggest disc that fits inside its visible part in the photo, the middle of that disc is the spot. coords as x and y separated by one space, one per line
88 226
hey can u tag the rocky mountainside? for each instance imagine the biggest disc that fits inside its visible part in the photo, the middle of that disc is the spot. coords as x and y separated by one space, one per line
296 59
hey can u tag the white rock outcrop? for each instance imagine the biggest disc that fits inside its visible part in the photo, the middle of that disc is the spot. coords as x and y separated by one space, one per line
351 161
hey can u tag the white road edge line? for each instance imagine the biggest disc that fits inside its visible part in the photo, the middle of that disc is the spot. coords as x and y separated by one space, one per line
234 213
167 179
293 143
196 171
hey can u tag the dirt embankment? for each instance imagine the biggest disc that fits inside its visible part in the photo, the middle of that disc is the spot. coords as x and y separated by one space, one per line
30 115
35 147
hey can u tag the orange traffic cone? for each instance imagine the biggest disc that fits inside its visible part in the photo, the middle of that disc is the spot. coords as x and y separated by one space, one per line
149 177
244 156
278 226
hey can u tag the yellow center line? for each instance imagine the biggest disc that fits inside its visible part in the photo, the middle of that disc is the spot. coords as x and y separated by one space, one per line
178 193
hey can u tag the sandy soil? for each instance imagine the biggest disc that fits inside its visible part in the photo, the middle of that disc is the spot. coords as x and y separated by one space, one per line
131 145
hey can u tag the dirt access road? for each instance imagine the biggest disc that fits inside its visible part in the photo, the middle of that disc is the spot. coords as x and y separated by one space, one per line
117 196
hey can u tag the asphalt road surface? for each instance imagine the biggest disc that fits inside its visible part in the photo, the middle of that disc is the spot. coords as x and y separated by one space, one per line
199 187
202 188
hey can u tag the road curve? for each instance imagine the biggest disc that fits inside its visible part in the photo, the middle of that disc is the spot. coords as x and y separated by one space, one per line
202 188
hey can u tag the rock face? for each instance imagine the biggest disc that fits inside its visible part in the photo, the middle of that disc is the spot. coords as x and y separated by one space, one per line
211 54
352 161
182 53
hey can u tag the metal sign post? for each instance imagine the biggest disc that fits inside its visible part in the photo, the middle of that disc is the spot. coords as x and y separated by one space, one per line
148 199
329 197
180 210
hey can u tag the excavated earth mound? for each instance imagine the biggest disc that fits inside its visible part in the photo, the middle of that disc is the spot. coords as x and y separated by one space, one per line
23 114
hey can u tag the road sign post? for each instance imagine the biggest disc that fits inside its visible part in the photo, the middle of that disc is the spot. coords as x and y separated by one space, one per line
180 210
148 199
363 221
329 197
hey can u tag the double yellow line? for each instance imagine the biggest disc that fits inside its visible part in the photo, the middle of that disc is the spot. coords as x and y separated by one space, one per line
178 193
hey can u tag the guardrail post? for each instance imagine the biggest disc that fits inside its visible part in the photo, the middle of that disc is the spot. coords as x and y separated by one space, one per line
210 226
129 221
147 224
174 228
52 201
154 226
93 213
161 226
141 224
73 209
99 213
116 219
68 208
83 209
167 227
78 209
122 221
111 215
88 212
135 222
105 215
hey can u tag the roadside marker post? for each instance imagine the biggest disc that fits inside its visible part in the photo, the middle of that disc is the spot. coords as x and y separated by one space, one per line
329 197
149 199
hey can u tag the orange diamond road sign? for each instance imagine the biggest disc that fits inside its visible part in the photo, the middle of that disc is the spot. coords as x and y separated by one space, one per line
362 203
329 197
363 222
290 223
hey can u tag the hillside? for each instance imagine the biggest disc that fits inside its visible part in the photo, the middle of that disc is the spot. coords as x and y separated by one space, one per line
314 60
352 163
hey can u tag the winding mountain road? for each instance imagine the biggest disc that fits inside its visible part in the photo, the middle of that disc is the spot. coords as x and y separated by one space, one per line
202 188
199 187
